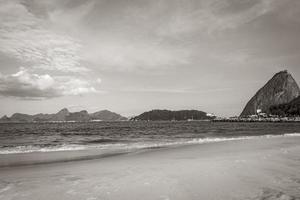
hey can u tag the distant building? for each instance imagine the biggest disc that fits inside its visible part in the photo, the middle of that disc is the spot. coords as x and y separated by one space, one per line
210 115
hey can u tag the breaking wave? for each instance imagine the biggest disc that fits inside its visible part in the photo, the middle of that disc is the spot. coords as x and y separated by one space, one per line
107 144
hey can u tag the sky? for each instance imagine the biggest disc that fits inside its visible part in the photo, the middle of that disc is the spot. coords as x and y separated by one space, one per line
131 56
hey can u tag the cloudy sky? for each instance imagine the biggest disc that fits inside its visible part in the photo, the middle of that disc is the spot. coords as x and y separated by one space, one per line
130 56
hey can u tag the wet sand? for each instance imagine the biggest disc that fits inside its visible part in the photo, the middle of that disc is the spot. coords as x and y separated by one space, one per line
263 168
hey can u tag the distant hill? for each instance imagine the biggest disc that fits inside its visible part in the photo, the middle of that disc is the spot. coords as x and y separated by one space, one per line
168 115
280 89
78 116
60 116
289 109
21 117
64 115
107 115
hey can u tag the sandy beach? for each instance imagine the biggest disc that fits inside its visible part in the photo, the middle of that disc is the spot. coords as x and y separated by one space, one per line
262 168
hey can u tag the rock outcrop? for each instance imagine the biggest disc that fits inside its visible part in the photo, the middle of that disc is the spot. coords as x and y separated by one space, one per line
287 110
281 89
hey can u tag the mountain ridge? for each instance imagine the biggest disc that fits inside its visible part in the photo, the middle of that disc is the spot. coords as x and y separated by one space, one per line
64 115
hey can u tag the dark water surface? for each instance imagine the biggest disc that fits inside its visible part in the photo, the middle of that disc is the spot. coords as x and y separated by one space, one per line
48 137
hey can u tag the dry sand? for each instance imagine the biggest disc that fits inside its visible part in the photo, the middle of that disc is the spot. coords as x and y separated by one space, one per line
264 168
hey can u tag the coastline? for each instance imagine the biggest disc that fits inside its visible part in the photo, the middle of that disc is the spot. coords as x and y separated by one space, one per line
262 120
261 168
70 153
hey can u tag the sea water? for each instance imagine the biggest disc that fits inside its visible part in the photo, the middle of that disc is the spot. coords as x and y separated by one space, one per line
127 136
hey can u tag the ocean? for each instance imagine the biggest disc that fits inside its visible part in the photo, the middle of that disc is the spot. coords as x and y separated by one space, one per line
150 160
17 138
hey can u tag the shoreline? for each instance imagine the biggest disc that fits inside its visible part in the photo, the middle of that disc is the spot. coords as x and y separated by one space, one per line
256 121
241 120
262 168
93 153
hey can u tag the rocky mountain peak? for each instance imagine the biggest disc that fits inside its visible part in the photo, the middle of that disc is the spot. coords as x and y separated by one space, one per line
281 88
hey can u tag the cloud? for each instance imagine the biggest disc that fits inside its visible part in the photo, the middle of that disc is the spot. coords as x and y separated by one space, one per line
74 86
215 16
157 35
98 80
32 41
25 85
34 86
115 39
173 90
120 35
71 18
115 53
234 57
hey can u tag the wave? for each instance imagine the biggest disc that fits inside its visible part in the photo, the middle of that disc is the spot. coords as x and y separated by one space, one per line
108 144
222 139
103 141
31 149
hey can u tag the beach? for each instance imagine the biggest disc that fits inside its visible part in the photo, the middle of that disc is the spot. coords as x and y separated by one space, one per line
260 168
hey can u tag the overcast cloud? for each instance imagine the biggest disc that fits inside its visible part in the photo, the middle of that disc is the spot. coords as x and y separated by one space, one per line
190 53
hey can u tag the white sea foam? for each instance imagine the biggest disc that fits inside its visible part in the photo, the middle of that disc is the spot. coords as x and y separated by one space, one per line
31 149
292 134
133 146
